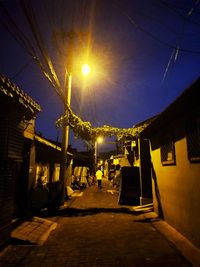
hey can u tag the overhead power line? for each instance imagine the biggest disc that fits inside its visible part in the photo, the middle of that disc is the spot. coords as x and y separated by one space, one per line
175 52
170 7
150 34
21 69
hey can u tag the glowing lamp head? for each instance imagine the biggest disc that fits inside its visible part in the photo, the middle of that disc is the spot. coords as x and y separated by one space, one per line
85 69
100 139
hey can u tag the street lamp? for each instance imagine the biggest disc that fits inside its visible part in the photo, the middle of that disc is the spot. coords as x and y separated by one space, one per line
98 140
65 134
85 69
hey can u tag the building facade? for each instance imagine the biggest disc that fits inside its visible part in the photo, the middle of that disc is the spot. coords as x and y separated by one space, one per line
135 163
17 113
175 157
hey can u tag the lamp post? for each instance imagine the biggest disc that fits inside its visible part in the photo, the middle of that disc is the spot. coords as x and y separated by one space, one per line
65 133
98 140
65 138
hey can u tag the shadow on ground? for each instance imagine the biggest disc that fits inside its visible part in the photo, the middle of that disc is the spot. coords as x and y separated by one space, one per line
147 220
19 242
75 212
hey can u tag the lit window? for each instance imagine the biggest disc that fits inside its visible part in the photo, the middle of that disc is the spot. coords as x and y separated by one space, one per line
193 140
167 151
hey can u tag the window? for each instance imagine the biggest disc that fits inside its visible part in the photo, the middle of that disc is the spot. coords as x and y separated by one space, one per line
193 140
42 174
167 151
56 172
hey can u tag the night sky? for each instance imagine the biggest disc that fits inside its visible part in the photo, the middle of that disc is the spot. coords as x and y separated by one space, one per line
143 55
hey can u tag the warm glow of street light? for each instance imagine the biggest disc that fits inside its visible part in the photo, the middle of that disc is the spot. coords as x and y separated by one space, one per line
85 69
100 139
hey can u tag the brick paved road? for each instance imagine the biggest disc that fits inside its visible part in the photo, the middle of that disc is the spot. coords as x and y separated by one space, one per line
94 231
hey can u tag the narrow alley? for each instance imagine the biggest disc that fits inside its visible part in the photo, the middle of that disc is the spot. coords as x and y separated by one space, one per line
93 230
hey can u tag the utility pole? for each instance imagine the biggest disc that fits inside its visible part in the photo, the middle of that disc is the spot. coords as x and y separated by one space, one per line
67 90
95 156
65 129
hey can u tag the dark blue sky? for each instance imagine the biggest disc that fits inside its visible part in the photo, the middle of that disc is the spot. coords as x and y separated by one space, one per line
145 53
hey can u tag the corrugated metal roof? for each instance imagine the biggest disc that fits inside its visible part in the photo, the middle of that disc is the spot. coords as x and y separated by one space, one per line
49 143
11 90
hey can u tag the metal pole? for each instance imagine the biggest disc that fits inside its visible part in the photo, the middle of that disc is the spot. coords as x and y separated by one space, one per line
65 133
95 156
141 188
65 140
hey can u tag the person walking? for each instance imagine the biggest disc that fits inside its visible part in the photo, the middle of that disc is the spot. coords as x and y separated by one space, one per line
99 176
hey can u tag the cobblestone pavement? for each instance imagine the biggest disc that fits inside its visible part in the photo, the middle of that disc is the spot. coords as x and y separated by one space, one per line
92 231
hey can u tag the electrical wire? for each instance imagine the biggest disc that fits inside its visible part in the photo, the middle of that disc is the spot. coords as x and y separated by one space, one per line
21 69
30 16
153 36
165 4
175 52
48 68
79 13
12 27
